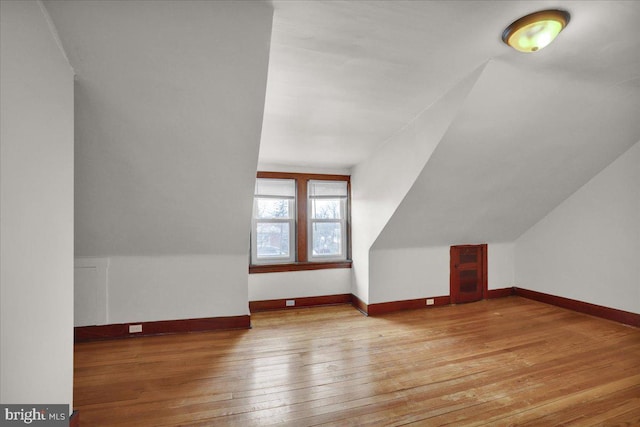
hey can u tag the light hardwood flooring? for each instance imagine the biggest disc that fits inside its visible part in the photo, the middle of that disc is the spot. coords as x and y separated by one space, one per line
508 361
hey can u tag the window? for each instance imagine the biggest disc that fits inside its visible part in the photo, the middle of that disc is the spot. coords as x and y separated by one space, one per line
274 221
300 222
327 220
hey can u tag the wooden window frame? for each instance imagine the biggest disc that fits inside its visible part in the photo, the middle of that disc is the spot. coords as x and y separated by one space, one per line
302 259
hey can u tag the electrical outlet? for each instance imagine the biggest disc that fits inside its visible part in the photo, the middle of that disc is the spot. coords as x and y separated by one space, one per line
430 301
135 329
291 303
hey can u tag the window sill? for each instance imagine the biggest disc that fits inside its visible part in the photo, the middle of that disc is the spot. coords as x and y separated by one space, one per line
302 266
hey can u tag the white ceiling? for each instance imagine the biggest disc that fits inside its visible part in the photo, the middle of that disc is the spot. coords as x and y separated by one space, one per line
168 108
169 97
510 156
344 76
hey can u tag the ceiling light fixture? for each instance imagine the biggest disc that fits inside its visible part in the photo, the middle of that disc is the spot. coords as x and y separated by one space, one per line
535 31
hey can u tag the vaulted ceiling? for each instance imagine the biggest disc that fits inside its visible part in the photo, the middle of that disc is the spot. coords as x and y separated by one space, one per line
169 103
510 156
344 76
169 100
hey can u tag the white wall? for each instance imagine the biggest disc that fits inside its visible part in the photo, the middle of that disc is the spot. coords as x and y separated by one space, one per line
379 184
589 246
36 207
412 273
145 289
500 266
177 287
90 278
298 284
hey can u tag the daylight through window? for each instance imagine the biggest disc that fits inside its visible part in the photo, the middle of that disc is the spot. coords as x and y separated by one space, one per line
274 207
300 221
327 219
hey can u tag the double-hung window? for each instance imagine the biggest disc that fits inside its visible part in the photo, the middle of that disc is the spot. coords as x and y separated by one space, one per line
300 222
274 221
327 220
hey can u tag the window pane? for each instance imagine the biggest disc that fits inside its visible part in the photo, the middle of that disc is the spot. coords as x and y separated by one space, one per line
272 240
327 238
326 209
275 187
272 208
327 188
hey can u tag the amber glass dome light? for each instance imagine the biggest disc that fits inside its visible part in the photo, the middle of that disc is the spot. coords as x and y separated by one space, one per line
535 31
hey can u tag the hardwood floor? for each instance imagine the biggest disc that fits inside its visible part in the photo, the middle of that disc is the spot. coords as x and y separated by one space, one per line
508 361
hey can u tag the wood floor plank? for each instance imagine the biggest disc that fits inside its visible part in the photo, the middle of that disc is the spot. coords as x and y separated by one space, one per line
498 362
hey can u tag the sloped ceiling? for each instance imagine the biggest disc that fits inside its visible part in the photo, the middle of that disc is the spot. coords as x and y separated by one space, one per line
344 76
169 104
522 143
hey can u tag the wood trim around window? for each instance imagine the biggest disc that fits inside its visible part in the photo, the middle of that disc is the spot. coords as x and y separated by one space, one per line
301 220
302 255
301 266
